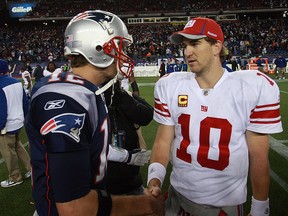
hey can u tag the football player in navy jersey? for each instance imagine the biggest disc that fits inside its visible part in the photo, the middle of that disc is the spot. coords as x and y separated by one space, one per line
68 125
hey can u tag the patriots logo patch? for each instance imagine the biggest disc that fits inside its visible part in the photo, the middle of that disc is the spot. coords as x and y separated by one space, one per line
56 104
69 124
98 16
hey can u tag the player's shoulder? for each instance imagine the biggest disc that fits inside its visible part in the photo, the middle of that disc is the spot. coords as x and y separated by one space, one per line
175 78
59 83
252 78
8 80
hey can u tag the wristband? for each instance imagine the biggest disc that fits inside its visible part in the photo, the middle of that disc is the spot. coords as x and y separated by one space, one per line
104 203
117 154
260 208
156 170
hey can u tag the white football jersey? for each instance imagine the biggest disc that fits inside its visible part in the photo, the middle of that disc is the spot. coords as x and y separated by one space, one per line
25 75
125 84
209 153
48 73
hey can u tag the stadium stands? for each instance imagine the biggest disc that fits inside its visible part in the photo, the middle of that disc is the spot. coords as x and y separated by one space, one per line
250 34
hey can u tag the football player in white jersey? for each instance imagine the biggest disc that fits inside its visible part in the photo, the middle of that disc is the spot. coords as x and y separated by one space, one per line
213 127
126 81
27 81
51 68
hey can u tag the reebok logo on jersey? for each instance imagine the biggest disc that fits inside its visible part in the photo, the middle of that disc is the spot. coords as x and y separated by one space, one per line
69 124
182 100
56 104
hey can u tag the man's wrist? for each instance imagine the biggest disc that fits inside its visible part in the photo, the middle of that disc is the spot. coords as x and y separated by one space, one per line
156 170
260 208
117 154
128 158
104 203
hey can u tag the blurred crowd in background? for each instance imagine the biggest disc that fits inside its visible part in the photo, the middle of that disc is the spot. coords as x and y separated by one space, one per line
248 36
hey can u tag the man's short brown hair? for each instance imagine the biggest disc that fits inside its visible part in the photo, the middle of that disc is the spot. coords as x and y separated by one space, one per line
78 61
223 50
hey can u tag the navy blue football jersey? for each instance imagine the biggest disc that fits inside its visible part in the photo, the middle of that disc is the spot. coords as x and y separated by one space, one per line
68 129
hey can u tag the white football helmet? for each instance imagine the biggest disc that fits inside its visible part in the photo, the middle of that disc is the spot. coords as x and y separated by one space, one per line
100 37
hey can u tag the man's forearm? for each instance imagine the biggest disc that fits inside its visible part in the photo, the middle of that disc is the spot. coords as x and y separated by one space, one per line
137 205
260 179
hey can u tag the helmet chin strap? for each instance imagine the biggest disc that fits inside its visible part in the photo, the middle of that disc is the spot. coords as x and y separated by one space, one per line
106 86
109 84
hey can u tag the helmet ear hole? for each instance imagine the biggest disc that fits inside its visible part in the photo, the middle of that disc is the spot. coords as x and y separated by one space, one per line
99 48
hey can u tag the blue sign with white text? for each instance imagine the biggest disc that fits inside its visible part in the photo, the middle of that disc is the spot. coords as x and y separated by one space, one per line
20 9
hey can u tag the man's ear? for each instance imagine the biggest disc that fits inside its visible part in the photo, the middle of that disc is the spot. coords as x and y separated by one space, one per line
217 47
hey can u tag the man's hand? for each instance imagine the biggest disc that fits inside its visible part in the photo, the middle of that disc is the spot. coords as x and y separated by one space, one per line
138 157
157 203
154 190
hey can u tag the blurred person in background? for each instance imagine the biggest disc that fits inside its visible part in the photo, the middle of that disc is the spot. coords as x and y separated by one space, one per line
27 81
127 113
51 68
126 82
280 67
38 72
14 106
162 68
234 64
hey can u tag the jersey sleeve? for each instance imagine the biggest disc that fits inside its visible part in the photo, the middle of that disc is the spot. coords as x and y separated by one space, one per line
162 113
265 115
61 122
3 113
